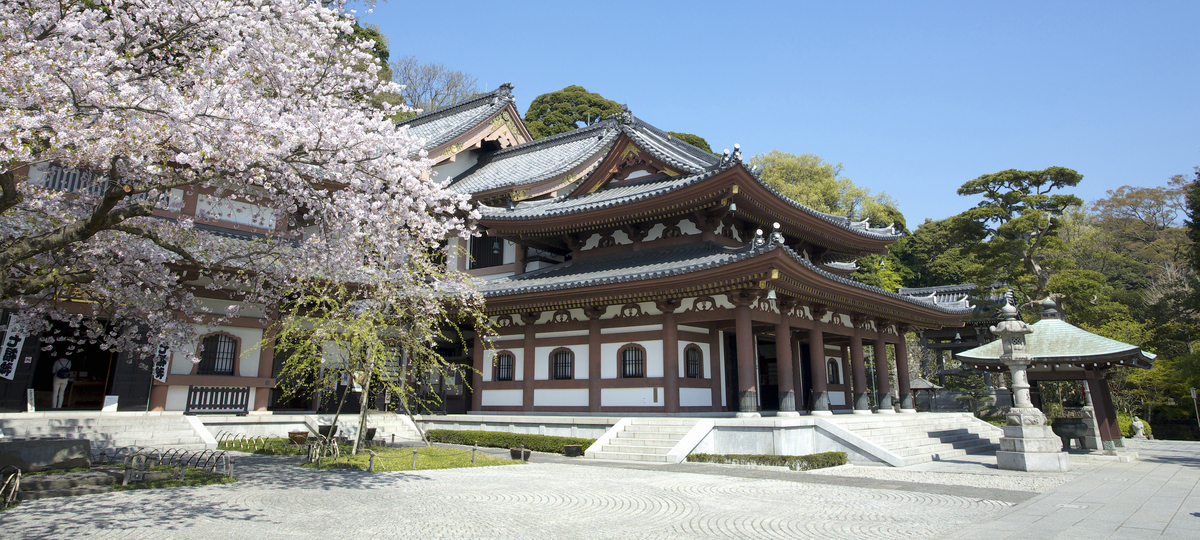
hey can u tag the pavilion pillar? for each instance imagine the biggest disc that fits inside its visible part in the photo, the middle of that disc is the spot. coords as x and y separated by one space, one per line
670 354
1093 440
747 387
477 363
528 363
784 360
903 377
1102 401
593 314
862 404
519 259
820 378
847 377
883 383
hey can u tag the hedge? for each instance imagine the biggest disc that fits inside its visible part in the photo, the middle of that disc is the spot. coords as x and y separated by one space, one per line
500 439
796 463
1126 424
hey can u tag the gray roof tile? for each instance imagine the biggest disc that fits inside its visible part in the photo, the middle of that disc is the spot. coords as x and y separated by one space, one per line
535 161
441 125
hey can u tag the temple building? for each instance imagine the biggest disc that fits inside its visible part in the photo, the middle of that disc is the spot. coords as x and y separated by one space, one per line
627 271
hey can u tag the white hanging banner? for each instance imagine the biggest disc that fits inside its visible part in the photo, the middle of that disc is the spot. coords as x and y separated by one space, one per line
10 350
162 361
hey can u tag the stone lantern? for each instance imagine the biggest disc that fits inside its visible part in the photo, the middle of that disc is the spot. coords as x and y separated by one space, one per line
1028 443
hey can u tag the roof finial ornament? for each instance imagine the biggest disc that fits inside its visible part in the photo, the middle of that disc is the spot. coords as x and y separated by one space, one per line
776 236
758 238
505 89
626 116
737 153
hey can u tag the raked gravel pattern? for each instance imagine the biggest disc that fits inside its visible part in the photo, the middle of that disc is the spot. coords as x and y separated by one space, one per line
1023 481
547 500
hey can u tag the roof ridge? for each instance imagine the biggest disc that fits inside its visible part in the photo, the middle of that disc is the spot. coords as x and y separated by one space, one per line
566 136
504 92
841 221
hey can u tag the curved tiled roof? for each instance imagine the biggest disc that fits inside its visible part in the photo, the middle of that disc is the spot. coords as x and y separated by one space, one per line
441 125
1056 340
536 160
861 227
661 262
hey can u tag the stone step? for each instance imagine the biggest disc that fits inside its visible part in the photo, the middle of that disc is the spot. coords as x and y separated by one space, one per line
942 447
631 457
643 428
69 492
649 435
663 422
634 441
636 449
949 454
919 438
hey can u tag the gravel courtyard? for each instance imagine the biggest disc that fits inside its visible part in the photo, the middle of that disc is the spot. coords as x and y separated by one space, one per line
557 500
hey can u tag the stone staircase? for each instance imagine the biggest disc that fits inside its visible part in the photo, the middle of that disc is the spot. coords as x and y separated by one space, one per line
926 437
107 430
644 439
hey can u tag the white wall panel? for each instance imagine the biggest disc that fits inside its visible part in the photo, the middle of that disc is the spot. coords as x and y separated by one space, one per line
564 397
695 397
631 397
502 398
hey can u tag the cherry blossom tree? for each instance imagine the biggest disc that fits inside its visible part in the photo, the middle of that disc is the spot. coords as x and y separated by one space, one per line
261 104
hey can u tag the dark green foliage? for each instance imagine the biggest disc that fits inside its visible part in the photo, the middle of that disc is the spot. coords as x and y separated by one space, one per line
192 477
266 447
694 140
972 387
798 463
935 254
566 109
499 439
1018 218
1126 424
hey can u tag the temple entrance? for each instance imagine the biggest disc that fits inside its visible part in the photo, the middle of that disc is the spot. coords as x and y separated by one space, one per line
91 368
768 375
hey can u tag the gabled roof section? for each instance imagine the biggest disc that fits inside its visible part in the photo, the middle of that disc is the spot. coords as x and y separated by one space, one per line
440 126
536 161
648 268
1057 341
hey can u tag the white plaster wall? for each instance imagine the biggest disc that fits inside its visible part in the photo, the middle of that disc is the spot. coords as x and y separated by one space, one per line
248 351
721 356
510 252
655 232
609 362
581 360
621 238
542 360
177 398
631 397
449 169
591 243
565 333
705 359
629 329
565 397
648 308
237 212
517 348
722 301
502 398
688 227
695 397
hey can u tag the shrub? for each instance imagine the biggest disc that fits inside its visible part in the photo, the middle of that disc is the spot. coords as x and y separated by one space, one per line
797 463
1126 423
501 439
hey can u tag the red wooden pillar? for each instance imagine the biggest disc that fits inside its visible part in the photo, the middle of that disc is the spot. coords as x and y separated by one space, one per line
903 377
859 369
477 378
593 314
747 376
670 353
784 360
528 361
820 378
883 383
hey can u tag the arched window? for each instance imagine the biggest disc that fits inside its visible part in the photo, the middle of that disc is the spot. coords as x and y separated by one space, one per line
832 367
633 361
505 362
693 357
217 355
564 364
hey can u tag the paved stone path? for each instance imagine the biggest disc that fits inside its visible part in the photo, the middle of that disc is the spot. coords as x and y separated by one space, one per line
1157 496
538 500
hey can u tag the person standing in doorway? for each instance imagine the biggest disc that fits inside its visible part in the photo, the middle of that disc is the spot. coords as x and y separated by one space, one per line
62 375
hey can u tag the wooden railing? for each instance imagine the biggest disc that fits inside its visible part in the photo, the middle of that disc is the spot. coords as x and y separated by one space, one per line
218 400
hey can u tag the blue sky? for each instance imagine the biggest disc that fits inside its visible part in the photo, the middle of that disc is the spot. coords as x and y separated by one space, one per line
913 98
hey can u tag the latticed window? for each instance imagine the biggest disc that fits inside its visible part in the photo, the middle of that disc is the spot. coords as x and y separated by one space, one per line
564 364
486 251
504 366
217 355
834 376
633 362
692 356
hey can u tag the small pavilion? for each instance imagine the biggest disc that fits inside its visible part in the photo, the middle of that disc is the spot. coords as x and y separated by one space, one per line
1060 351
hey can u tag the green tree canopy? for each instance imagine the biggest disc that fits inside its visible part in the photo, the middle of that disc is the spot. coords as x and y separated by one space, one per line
694 140
935 254
1019 216
809 180
567 109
